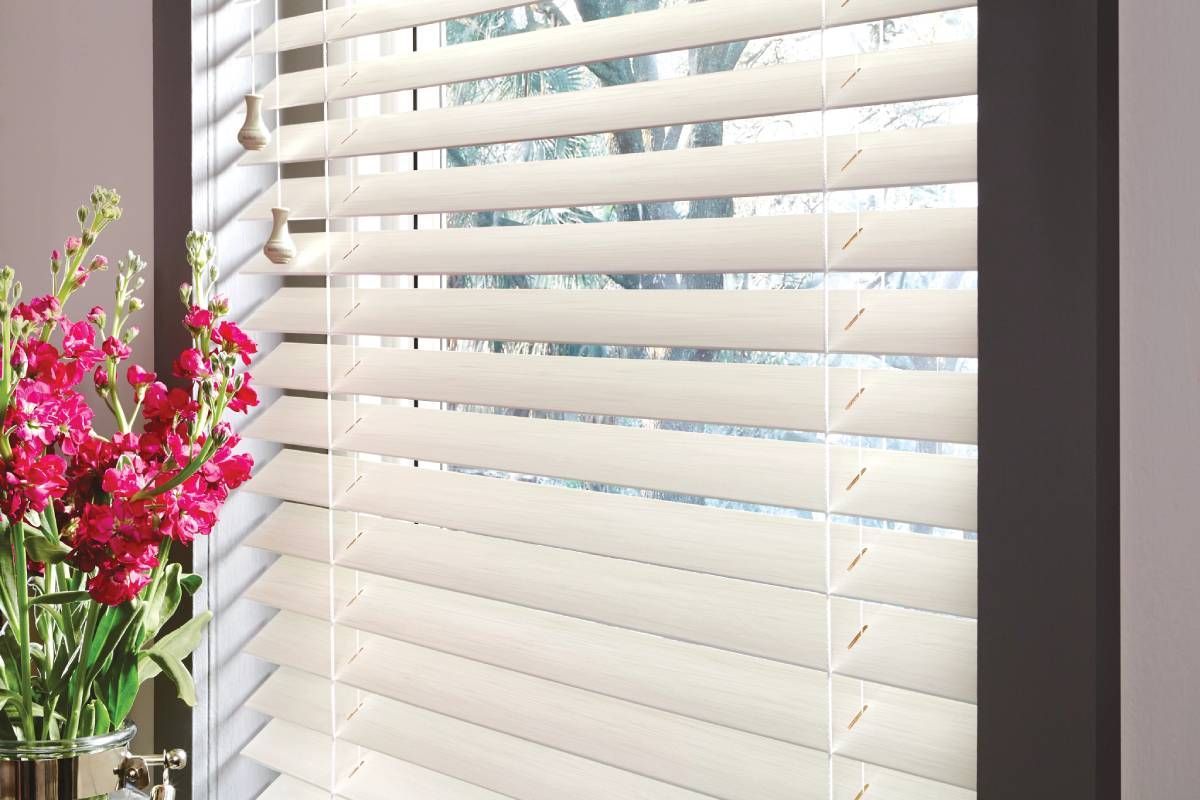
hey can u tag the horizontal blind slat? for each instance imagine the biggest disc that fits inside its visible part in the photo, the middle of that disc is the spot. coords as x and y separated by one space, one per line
907 157
363 774
885 484
932 239
686 752
902 404
924 736
285 787
771 621
927 736
929 653
851 777
516 767
885 321
684 678
904 75
657 31
913 570
361 19
305 30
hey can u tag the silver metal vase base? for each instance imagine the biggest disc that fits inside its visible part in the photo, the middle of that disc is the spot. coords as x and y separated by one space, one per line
95 767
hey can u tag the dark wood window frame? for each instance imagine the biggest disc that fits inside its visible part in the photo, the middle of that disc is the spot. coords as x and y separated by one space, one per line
1049 527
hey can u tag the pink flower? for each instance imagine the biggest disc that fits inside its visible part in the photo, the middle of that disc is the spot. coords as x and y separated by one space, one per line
100 377
30 481
72 244
98 263
127 478
115 348
232 339
138 377
78 343
198 318
55 255
96 315
245 398
191 364
115 584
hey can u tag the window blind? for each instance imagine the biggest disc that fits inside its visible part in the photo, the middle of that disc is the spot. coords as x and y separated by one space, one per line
626 401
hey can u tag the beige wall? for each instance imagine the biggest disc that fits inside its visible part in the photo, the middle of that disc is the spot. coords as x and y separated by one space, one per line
1160 397
76 109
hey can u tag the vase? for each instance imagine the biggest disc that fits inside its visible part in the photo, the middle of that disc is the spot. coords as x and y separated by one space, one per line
280 249
91 768
254 134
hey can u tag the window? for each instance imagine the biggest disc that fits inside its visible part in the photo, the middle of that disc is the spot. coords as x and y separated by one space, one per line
650 453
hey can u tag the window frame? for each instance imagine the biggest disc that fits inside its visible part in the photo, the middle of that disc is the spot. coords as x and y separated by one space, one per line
1049 484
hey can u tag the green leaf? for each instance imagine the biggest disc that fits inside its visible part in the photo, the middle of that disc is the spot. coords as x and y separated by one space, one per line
178 644
42 549
191 582
114 621
101 722
182 641
59 598
178 674
161 605
120 685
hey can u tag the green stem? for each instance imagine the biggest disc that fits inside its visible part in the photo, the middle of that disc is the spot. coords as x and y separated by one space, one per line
25 668
193 466
89 631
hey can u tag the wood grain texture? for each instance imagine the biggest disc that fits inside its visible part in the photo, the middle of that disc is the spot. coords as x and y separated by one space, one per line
656 31
905 404
697 755
362 19
935 322
362 773
914 570
931 239
904 75
906 157
737 691
884 484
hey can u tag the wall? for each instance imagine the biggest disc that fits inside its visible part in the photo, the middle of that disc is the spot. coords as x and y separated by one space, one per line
76 84
1160 397
76 109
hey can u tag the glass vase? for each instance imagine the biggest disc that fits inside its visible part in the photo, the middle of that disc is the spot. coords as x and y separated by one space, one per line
78 769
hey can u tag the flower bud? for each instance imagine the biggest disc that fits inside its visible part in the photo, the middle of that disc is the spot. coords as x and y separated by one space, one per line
131 333
89 238
97 315
72 244
219 305
82 214
135 305
98 263
185 293
17 290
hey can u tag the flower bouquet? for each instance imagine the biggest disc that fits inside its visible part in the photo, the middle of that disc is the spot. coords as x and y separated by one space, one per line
87 521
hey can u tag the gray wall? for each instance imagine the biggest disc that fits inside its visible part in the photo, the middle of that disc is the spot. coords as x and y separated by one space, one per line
77 103
1160 397
77 108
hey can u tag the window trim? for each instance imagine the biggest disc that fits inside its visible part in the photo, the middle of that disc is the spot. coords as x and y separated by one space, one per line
1049 628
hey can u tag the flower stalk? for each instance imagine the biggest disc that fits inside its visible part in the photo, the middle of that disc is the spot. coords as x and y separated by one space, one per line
88 521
